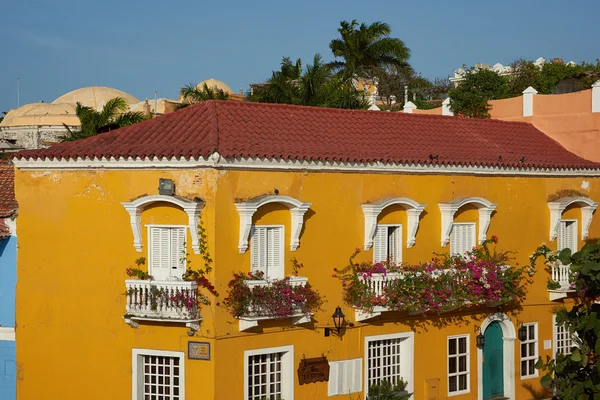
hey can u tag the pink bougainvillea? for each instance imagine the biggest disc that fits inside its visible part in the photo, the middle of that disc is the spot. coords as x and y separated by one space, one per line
279 298
480 277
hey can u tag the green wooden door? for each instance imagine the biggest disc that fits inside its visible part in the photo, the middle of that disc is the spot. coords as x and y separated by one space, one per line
493 362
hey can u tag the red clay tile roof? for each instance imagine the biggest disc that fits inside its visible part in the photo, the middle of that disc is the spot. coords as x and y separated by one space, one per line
273 131
8 203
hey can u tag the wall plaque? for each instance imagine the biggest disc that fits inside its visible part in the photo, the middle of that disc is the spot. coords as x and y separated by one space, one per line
313 370
198 350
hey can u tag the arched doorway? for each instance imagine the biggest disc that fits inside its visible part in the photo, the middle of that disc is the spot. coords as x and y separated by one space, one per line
496 361
493 362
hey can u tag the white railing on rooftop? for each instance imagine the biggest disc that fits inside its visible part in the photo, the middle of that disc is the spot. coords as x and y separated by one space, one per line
173 300
561 274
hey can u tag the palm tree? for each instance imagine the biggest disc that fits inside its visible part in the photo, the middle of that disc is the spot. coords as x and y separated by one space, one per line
315 86
113 115
192 94
362 47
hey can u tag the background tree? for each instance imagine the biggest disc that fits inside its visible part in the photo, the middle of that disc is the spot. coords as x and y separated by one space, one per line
577 375
362 47
191 94
113 115
315 85
471 97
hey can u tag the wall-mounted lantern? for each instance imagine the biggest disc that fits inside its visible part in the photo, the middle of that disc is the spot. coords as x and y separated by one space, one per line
480 341
522 333
166 187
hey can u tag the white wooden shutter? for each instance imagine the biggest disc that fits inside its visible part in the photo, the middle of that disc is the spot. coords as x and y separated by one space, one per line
395 243
274 253
345 377
177 252
470 240
159 253
380 244
567 235
258 250
462 238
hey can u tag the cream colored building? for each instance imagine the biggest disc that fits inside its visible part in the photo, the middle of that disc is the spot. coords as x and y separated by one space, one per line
37 125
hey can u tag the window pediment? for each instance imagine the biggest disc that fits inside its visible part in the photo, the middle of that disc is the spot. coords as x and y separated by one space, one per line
485 208
247 209
557 207
372 211
136 207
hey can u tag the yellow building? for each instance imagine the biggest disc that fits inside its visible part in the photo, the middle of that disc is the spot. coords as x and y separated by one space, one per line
268 184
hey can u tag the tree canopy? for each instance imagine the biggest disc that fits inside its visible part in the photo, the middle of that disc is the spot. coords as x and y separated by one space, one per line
362 47
192 94
577 375
471 97
113 115
314 85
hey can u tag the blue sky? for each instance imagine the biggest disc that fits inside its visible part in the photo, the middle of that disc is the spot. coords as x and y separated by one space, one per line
55 46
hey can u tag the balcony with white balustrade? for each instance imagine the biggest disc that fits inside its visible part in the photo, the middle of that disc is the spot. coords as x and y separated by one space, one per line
377 283
251 320
561 274
162 301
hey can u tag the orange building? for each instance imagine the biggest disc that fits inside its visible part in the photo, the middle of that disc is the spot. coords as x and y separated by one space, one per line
272 198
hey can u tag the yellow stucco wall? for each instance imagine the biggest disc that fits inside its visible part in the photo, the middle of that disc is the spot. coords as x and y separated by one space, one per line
75 242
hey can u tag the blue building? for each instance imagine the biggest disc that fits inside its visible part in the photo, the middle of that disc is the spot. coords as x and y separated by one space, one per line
8 281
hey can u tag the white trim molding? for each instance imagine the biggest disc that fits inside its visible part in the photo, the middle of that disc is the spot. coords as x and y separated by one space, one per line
191 208
485 208
287 369
557 207
372 211
136 369
406 362
509 335
255 163
7 333
247 209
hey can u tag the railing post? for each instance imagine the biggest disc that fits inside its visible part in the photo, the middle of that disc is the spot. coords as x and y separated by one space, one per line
409 107
528 101
596 97
446 110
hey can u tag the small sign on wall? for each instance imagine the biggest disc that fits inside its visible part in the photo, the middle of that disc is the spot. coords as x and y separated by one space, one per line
313 370
198 350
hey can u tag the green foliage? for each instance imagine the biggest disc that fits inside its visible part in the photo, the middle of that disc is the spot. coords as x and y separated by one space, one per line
479 278
315 85
362 47
470 98
480 85
114 115
577 376
387 390
192 94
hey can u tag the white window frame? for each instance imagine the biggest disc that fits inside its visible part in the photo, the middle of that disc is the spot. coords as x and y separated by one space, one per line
281 249
149 228
575 235
287 367
458 372
531 357
555 348
136 362
407 362
399 250
474 242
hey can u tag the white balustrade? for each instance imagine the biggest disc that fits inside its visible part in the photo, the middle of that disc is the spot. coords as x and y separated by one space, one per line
176 300
561 274
378 282
294 281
